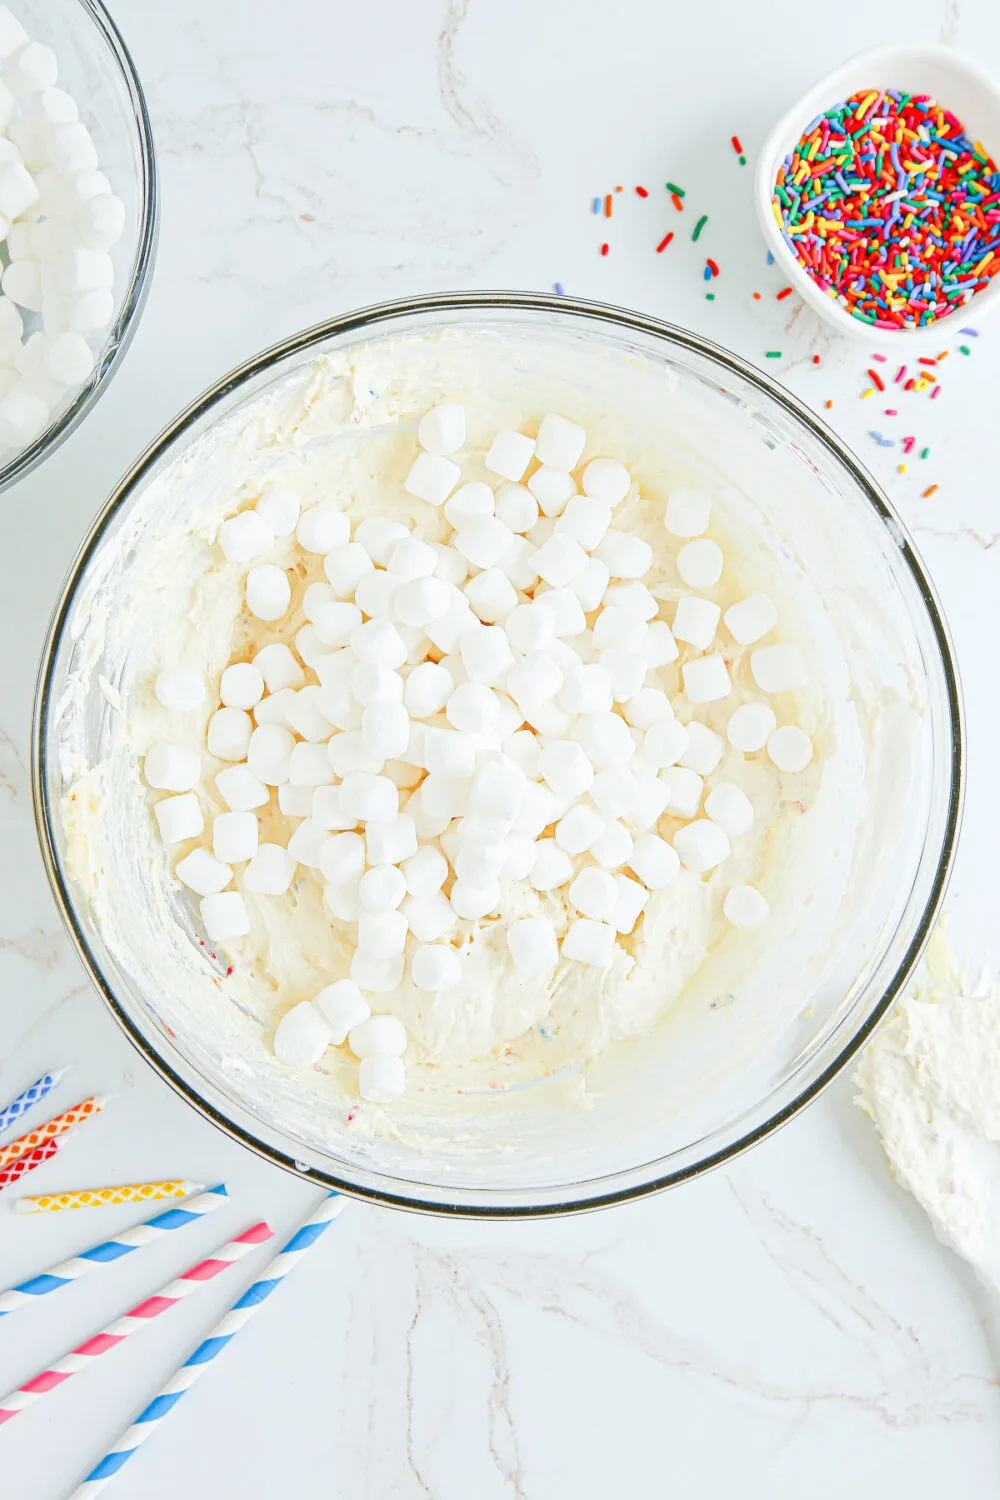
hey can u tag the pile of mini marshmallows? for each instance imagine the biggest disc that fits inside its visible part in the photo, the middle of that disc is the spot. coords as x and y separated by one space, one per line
58 220
479 711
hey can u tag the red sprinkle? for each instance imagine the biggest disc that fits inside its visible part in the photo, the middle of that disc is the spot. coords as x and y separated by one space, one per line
876 380
642 193
926 361
785 292
664 242
736 145
815 359
909 385
712 267
604 249
677 203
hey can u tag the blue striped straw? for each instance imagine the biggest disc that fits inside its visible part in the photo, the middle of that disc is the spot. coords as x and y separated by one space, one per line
32 1094
221 1335
111 1250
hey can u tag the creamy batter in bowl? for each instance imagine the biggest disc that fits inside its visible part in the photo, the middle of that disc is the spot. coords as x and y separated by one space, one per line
722 1047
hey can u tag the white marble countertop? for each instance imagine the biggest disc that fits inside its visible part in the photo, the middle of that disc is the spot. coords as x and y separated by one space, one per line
787 1326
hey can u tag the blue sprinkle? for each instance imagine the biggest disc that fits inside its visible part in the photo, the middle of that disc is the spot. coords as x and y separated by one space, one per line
972 332
560 289
770 258
597 206
708 273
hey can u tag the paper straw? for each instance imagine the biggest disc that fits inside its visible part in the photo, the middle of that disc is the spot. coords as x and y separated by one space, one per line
133 1192
111 1250
58 1125
30 1160
32 1094
139 1317
150 1418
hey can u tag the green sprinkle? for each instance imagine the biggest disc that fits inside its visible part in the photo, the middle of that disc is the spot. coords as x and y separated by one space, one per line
709 296
773 354
743 161
700 226
925 453
964 349
673 188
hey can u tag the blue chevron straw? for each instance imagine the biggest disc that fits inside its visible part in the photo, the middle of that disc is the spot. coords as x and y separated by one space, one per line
109 1250
222 1334
31 1095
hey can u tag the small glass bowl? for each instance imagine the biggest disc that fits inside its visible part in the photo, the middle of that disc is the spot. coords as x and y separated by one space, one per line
96 68
730 1062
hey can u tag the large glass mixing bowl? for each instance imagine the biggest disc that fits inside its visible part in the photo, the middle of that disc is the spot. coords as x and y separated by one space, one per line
725 1067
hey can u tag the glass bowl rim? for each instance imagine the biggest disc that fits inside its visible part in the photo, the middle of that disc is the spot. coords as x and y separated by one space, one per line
621 319
122 331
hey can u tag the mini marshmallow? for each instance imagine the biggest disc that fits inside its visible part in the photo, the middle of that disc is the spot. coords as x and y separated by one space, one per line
688 513
224 915
626 671
90 311
375 594
203 874
179 818
510 454
270 871
378 1036
560 560
430 916
552 489
625 555
425 871
385 730
706 679
427 689
614 791
491 594
278 667
701 845
534 682
633 598
449 753
234 837
696 621
649 802
484 542
335 622
436 967
524 750
482 828
381 1079
325 807
587 690
268 592
486 654
18 192
684 789
302 1036
305 714
422 600
378 975
79 270
345 565
299 801
664 742
789 748
342 1006
778 669
751 618
382 888
749 727
22 417
472 707
520 859
240 790
379 641
442 429
382 934
411 558
532 945
566 768
306 843
591 584
700 564
470 502
612 847
369 798
67 358
446 632
606 738
12 34
269 753
703 750
566 607
371 682
560 442
586 520
321 530
279 510
498 787
71 148
595 894
443 798
479 865
648 705
730 807
378 536
342 858
654 861
579 828
516 507
347 752
632 899
607 480
745 907
169 768
432 478
615 626
229 734
309 765
472 902
530 626
241 685
21 280
589 942
552 867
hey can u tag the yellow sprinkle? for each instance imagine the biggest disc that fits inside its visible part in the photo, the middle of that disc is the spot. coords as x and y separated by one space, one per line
869 392
901 469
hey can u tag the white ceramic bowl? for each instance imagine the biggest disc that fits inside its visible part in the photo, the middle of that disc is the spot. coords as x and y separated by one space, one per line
959 86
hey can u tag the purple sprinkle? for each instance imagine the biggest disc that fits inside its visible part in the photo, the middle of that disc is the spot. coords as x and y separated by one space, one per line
972 332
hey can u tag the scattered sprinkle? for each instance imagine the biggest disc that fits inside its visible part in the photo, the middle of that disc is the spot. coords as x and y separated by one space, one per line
773 354
972 332
930 491
604 248
675 200
900 468
597 206
815 359
770 258
935 393
664 242
924 452
900 373
924 361
876 380
879 359
827 405
786 291
709 296
891 411
738 149
560 289
869 392
700 226
883 442
756 296
608 200
964 349
908 443
678 192
711 266
642 192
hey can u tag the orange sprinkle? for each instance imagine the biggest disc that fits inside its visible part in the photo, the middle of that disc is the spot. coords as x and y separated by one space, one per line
828 404
677 203
619 188
929 492
607 206
756 296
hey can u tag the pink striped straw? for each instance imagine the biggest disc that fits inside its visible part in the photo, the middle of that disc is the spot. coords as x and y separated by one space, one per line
139 1317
